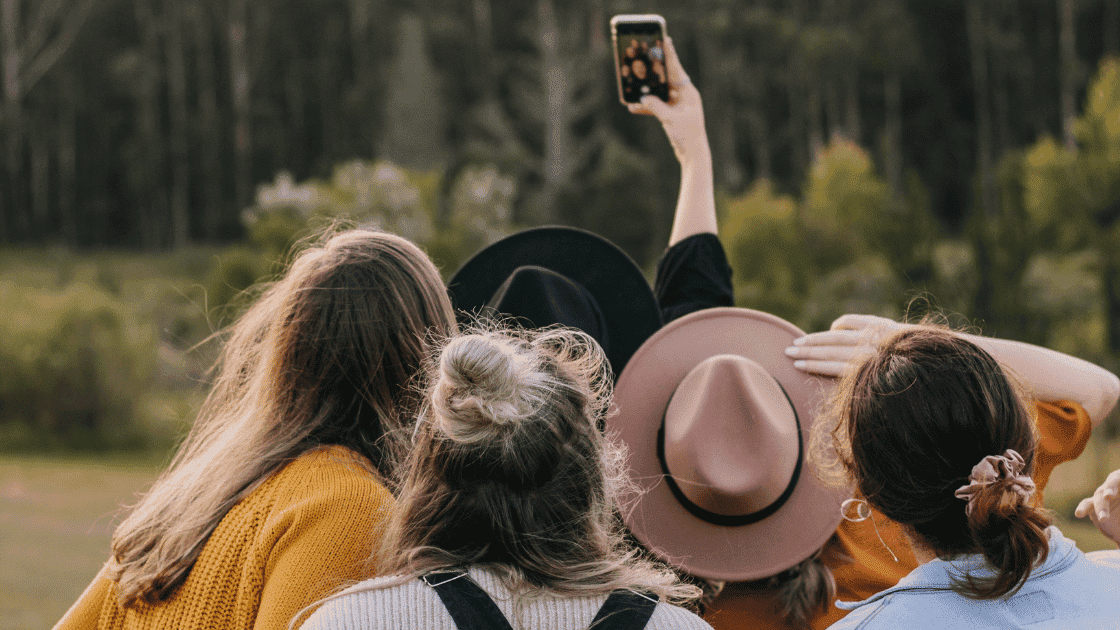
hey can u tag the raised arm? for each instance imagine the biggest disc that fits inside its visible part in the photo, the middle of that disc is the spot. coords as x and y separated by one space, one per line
683 121
1046 374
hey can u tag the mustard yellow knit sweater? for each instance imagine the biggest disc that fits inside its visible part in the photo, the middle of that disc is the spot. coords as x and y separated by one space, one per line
304 532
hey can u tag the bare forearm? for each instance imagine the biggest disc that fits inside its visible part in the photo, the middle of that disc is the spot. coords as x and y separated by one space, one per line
1050 375
696 203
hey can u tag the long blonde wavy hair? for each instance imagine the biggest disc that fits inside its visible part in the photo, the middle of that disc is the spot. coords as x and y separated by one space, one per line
326 355
510 471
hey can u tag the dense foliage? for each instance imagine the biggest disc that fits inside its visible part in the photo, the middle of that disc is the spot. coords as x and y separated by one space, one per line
149 123
867 152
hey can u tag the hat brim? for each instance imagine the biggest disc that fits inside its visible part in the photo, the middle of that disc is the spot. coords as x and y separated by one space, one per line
621 291
800 527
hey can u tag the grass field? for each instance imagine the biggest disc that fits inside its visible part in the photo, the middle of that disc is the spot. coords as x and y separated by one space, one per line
56 517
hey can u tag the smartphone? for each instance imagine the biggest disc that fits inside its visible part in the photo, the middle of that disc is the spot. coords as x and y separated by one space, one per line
639 57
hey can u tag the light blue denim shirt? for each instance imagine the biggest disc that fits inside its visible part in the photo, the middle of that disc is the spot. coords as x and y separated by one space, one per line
1071 590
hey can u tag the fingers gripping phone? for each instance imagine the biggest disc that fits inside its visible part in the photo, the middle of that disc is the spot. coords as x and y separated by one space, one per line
639 55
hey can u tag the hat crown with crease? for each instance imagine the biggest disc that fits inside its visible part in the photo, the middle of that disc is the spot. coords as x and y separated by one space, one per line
716 420
751 465
539 297
561 275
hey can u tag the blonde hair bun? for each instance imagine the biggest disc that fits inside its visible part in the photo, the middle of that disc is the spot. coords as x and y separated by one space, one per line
484 383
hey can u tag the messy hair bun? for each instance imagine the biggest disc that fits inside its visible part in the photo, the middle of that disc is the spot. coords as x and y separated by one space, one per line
484 384
509 470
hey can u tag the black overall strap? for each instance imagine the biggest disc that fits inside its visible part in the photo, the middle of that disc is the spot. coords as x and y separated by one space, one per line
470 607
625 610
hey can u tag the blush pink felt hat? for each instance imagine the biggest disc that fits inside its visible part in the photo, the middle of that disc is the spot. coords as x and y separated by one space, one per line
716 423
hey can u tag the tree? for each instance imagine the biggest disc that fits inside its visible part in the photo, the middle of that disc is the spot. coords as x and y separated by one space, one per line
1074 194
30 46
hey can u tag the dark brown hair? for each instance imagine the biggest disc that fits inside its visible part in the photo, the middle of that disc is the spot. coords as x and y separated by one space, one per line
912 422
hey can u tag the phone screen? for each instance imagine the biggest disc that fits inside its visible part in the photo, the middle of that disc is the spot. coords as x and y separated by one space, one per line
640 58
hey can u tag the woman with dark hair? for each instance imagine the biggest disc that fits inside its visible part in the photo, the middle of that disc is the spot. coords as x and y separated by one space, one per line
278 493
934 434
1069 397
507 507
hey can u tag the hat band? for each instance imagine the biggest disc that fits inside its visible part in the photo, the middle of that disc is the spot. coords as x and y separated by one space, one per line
737 520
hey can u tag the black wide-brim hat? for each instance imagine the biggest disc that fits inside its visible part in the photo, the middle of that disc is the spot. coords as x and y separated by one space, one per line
601 272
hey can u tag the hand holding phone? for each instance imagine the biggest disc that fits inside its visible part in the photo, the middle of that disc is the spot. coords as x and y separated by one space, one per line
682 116
639 53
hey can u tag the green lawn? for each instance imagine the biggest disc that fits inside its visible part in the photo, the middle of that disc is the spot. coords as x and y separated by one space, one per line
56 517
57 514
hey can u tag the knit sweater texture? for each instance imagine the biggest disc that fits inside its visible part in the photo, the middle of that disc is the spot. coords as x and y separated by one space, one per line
302 534
389 603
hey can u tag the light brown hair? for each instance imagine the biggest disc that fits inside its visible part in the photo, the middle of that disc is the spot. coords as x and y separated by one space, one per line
510 471
909 425
324 356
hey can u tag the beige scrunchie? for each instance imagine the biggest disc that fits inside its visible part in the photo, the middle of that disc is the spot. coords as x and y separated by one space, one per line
992 469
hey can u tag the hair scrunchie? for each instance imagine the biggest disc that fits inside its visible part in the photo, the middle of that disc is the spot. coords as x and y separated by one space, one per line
992 469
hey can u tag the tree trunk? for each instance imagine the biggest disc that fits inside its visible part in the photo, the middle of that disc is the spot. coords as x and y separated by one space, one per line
209 125
484 44
1067 55
40 155
1112 28
28 50
175 54
335 143
760 142
892 132
719 101
241 85
834 121
148 177
978 52
11 200
798 139
556 165
70 219
597 28
854 121
365 66
815 123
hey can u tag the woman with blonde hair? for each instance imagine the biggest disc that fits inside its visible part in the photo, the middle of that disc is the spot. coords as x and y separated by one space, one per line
935 435
278 493
506 514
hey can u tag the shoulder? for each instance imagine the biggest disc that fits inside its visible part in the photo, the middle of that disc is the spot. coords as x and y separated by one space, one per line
382 603
670 617
914 610
328 461
326 473
1106 564
326 496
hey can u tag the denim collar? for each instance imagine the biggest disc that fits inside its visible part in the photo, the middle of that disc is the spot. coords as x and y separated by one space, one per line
936 576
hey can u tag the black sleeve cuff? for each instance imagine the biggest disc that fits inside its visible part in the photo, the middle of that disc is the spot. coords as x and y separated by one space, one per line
693 275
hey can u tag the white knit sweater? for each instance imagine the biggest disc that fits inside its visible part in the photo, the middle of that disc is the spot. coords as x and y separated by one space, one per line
415 605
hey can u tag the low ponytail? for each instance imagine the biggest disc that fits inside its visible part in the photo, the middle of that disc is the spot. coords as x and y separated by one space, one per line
1010 533
912 421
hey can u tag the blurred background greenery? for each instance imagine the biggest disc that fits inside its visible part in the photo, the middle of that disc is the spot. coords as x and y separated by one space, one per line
160 158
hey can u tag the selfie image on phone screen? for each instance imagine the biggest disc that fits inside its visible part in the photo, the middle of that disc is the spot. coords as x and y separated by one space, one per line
640 54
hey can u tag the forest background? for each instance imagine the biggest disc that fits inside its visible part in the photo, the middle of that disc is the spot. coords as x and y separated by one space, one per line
160 157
